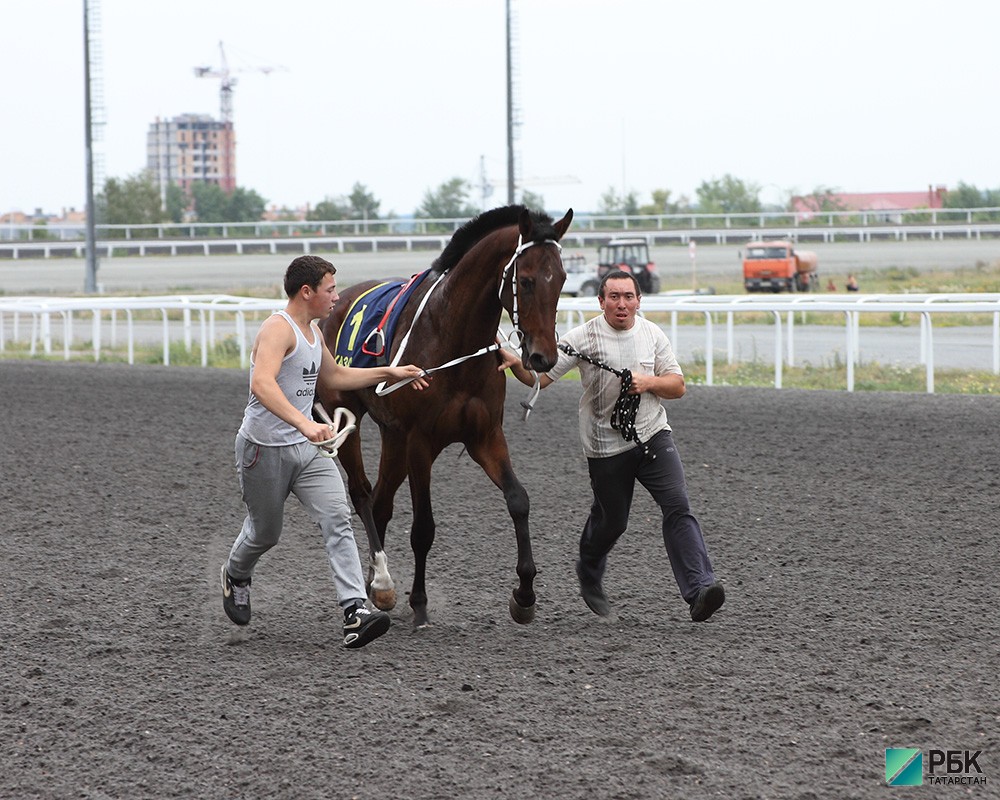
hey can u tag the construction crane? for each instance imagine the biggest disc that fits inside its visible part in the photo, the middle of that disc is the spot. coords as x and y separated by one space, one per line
227 80
487 185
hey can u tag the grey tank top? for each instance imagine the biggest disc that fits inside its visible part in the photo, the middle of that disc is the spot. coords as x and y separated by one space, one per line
297 379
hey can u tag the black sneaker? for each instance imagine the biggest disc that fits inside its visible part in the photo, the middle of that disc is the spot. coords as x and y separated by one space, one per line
708 600
361 625
236 598
592 593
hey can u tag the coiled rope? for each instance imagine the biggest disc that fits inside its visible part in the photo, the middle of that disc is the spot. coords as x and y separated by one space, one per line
626 406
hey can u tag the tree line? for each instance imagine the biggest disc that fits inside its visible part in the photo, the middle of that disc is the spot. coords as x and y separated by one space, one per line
137 200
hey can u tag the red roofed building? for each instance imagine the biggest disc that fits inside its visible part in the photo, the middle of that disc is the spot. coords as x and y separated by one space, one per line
883 203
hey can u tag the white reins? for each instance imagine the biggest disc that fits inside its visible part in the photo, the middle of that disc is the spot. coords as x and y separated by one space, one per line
382 389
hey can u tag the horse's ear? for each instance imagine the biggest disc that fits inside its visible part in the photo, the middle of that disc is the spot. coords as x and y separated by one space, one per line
563 225
526 226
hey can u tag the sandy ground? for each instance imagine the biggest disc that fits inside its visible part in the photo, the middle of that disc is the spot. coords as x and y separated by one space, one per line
856 535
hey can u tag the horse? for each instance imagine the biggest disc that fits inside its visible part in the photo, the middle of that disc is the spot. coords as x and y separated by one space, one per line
507 258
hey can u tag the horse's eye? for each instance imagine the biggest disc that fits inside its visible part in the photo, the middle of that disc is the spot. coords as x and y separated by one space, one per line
526 283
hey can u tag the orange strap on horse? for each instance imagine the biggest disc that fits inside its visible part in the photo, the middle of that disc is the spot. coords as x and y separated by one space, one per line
377 331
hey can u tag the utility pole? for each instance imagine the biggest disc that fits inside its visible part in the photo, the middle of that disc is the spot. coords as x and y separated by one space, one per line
510 110
90 280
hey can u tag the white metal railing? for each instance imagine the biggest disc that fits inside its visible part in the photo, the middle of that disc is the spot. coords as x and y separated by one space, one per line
41 312
30 320
401 226
786 306
307 243
108 248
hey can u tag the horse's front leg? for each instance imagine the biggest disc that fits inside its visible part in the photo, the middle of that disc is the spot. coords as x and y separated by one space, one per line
494 457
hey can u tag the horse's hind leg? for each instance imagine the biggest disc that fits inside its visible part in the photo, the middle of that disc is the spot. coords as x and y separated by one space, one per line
419 461
494 457
391 472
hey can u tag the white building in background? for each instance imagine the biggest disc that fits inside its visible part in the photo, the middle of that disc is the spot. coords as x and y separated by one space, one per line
191 148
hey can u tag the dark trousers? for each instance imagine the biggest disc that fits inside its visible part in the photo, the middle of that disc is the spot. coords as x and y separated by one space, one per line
613 481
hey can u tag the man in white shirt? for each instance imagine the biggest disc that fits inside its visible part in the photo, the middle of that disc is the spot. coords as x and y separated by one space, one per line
626 438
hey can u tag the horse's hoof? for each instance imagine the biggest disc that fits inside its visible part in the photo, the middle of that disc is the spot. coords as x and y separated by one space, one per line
420 619
522 615
384 599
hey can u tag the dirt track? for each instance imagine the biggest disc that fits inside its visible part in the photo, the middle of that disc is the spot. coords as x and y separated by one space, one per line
856 535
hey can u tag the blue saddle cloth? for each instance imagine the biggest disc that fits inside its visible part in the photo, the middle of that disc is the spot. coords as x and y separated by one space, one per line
365 335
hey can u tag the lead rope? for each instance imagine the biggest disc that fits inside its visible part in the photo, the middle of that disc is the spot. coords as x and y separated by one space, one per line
626 406
330 447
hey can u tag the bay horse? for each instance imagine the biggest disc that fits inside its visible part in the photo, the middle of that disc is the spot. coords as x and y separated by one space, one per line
509 259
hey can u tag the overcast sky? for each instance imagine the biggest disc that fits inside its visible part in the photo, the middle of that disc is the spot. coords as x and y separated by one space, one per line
403 95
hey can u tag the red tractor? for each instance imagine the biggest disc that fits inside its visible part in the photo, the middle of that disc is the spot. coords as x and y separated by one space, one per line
629 255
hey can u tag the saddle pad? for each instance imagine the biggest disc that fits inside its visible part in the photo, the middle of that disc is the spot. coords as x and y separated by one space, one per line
357 331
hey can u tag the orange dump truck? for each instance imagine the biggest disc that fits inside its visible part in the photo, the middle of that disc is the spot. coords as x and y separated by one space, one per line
779 267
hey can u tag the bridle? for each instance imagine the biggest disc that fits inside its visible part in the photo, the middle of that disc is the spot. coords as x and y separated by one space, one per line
528 404
511 267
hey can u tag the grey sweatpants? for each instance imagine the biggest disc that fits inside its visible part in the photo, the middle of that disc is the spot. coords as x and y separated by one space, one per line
267 476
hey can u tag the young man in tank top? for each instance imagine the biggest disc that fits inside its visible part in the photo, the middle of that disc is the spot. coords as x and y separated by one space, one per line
621 340
276 452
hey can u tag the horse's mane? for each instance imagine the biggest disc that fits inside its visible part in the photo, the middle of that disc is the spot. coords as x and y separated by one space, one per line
487 222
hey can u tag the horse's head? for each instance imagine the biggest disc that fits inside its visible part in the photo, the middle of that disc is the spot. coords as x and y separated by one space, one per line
539 274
